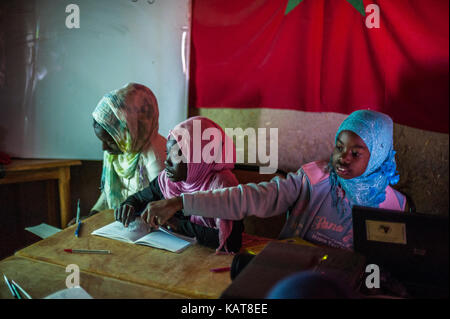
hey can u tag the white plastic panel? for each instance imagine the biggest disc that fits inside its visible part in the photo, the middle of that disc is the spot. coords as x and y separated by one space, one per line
55 75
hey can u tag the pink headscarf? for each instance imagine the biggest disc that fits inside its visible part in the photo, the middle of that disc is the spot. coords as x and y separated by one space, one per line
212 170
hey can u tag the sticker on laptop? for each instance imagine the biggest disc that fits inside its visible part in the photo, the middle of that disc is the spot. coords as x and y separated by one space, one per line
387 232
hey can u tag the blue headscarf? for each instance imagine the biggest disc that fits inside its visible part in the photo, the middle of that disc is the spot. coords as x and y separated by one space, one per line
369 189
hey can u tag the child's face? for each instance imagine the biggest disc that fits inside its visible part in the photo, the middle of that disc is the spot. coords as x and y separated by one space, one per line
350 155
108 143
176 169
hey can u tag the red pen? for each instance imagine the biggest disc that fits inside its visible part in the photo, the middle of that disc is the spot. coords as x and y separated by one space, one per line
220 269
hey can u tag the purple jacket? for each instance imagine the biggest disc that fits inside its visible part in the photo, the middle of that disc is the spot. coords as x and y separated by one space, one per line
304 194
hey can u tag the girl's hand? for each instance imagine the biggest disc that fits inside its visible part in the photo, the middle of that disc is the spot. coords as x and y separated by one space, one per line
159 212
124 214
172 224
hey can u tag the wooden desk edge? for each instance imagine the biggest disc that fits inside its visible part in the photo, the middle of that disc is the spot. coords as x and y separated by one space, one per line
36 164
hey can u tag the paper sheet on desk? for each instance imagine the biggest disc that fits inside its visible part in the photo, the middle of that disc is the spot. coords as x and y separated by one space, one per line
70 293
43 230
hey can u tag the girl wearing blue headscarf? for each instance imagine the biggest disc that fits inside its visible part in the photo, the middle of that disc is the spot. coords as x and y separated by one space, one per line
320 195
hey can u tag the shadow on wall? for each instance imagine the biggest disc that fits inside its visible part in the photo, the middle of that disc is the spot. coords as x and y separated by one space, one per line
23 205
19 74
2 45
3 132
85 185
423 156
422 161
3 155
26 204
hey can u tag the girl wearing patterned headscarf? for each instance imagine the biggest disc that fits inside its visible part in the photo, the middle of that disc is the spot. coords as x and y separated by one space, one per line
200 157
320 195
126 121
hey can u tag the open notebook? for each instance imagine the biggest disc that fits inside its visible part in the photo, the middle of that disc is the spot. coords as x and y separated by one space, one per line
140 233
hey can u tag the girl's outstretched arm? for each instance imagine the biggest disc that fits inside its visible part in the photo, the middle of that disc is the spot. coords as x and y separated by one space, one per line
263 200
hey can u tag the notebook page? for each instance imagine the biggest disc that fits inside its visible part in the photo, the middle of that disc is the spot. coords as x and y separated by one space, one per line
163 240
129 234
192 240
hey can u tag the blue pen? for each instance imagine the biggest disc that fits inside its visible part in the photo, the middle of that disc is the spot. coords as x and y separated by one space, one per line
77 231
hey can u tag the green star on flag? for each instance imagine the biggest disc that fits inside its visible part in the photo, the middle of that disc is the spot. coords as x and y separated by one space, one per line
357 4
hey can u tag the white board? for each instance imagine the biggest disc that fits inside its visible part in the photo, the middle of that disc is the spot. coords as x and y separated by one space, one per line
55 75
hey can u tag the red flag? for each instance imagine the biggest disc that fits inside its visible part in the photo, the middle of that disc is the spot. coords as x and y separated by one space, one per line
321 57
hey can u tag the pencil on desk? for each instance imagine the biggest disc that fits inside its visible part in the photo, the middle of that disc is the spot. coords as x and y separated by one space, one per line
18 296
21 289
10 287
88 251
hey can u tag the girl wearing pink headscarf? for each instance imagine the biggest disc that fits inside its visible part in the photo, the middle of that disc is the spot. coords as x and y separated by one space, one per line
200 157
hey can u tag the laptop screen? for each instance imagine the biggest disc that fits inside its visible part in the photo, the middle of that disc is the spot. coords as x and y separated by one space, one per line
411 246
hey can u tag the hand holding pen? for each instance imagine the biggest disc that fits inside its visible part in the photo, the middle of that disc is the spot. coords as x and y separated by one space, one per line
125 214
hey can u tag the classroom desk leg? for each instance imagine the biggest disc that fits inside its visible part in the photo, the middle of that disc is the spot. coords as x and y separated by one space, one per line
64 195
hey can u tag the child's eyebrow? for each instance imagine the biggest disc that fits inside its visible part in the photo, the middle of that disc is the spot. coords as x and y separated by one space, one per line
354 146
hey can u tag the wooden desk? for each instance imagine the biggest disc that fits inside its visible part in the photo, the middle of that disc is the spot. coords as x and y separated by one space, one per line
187 273
41 279
31 170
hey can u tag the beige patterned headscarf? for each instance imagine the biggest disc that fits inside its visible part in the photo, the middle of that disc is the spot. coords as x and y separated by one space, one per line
130 115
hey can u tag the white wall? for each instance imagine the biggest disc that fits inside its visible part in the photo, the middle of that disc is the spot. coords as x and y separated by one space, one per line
55 75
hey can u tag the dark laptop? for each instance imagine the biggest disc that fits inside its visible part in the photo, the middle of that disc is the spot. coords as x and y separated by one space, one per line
411 247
